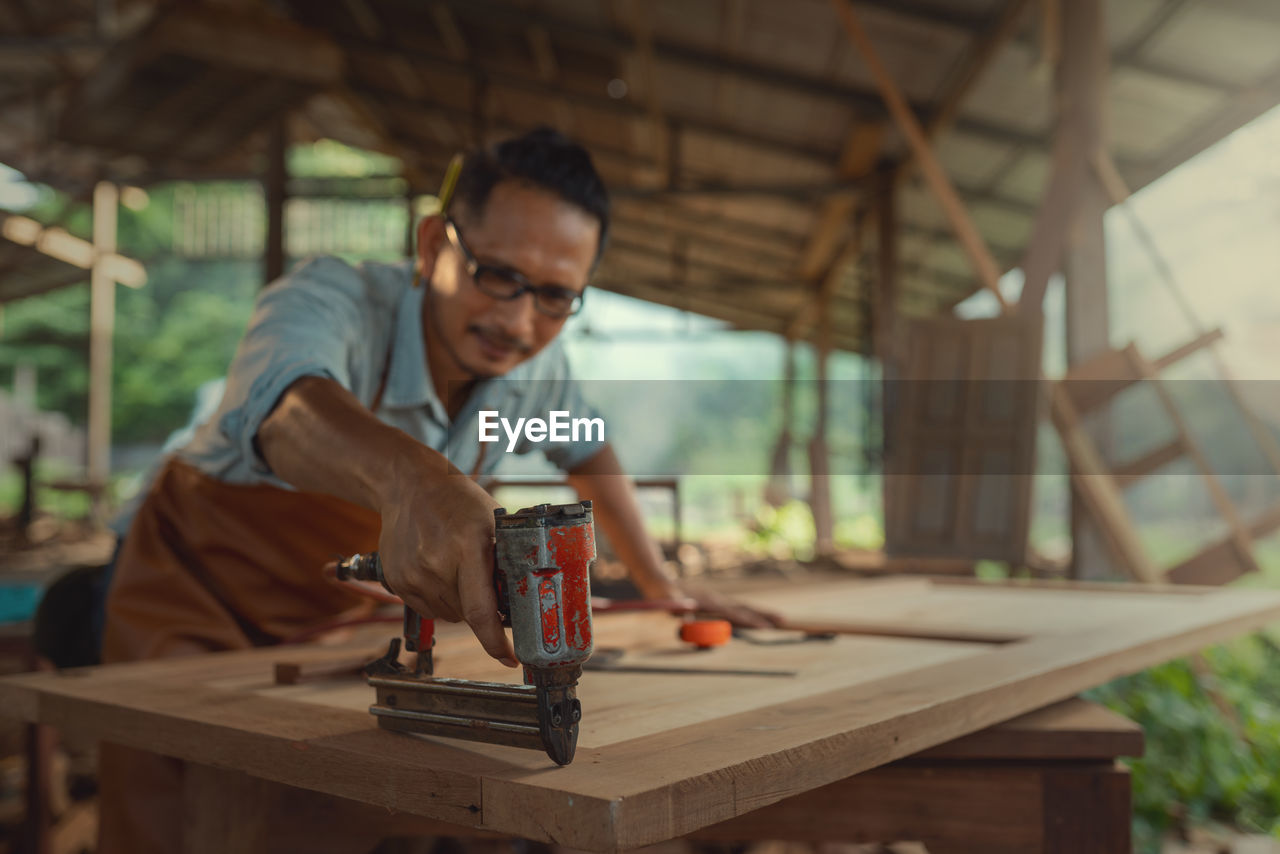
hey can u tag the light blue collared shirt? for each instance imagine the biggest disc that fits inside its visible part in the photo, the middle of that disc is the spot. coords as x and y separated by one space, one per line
327 318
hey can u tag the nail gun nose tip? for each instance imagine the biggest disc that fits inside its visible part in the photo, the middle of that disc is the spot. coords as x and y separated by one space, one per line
561 752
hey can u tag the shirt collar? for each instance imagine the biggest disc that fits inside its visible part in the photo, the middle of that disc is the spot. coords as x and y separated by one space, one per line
408 378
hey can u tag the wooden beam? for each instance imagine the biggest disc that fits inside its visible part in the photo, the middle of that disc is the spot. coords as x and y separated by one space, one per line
450 33
102 313
986 46
371 27
637 17
274 183
840 187
178 112
61 245
819 452
1081 85
749 259
733 24
364 114
1069 233
244 112
884 299
267 45
971 240
717 268
610 42
861 150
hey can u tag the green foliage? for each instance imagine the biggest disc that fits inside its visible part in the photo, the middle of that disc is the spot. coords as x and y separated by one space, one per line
175 333
1213 740
782 532
328 157
171 336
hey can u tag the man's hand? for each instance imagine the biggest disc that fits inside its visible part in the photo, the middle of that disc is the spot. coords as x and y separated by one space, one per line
602 480
437 553
726 608
437 524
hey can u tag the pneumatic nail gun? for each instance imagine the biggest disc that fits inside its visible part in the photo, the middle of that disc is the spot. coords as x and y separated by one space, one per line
543 560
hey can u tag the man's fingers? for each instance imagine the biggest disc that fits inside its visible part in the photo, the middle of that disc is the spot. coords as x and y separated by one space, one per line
431 608
479 606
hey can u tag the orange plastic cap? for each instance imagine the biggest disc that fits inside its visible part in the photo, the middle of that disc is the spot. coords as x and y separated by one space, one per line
706 633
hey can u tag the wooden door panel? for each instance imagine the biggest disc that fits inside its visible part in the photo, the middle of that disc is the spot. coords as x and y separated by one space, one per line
960 427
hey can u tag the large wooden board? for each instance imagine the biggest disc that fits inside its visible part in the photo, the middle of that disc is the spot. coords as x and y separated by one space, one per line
664 755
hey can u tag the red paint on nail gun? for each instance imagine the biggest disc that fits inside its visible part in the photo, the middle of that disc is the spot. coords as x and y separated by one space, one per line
572 548
548 605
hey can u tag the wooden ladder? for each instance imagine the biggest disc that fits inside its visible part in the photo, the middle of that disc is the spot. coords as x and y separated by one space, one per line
1091 386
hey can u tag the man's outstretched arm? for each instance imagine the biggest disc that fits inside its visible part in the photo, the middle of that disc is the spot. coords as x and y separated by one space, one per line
437 524
602 480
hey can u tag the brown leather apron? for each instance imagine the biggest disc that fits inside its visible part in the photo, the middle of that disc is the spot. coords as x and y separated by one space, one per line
210 566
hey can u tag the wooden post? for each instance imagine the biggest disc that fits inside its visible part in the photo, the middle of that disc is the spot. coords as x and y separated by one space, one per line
102 314
411 212
778 490
819 454
274 187
1082 77
884 301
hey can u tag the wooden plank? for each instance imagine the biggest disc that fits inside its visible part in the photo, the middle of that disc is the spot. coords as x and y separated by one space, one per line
660 756
1091 480
1195 345
102 322
1134 470
1215 565
1222 501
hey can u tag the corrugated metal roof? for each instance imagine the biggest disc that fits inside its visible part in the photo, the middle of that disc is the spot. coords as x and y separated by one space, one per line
725 149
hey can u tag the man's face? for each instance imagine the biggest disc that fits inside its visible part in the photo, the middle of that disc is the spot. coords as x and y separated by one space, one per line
526 230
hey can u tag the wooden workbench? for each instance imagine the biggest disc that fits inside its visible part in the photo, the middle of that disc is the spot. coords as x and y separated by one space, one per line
662 756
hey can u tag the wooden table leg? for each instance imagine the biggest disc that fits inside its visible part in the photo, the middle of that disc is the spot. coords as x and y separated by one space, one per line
1088 809
40 741
223 811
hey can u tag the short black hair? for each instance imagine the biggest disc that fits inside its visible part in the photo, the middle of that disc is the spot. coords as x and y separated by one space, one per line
545 158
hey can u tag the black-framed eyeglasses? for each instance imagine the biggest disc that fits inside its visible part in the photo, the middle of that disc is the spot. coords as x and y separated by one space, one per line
503 283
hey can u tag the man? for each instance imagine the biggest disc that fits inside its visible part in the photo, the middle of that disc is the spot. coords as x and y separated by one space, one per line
346 426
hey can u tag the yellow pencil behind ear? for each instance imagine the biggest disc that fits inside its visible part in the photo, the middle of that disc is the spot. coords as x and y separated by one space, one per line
445 196
450 182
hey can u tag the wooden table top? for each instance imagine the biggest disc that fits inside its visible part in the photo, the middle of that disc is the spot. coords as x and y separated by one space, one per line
922 662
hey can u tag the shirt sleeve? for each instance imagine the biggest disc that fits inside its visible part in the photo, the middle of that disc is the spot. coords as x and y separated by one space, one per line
306 325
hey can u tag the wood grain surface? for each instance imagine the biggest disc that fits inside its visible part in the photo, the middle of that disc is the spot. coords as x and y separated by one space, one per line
660 755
